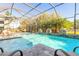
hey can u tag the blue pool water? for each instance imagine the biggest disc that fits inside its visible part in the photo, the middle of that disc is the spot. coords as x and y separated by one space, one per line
29 40
15 44
56 42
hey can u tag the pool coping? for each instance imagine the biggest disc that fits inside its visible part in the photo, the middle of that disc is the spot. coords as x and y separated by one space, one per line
61 35
9 38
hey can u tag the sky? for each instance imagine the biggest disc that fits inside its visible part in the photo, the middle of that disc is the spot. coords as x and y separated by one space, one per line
65 10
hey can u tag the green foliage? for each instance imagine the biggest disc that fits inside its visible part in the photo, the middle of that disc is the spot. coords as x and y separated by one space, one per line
52 21
48 21
7 13
67 24
77 23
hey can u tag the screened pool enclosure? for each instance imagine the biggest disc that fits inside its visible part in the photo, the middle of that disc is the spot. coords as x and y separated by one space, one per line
39 29
11 15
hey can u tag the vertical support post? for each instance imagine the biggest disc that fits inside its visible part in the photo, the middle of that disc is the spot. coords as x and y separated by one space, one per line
75 19
37 25
12 8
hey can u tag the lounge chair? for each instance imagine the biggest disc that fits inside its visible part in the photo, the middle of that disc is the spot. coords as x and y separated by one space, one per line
48 31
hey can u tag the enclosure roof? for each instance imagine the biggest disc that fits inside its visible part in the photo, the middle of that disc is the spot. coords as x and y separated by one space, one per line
29 10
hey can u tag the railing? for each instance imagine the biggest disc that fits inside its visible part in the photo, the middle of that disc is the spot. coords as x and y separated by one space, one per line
2 51
55 53
74 50
21 53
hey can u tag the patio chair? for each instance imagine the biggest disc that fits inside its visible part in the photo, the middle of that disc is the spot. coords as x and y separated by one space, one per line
48 31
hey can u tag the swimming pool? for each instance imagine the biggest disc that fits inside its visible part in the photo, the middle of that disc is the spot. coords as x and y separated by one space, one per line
56 42
30 39
15 44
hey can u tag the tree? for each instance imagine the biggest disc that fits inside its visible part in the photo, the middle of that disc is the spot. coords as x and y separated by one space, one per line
7 13
67 24
43 21
52 21
23 25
